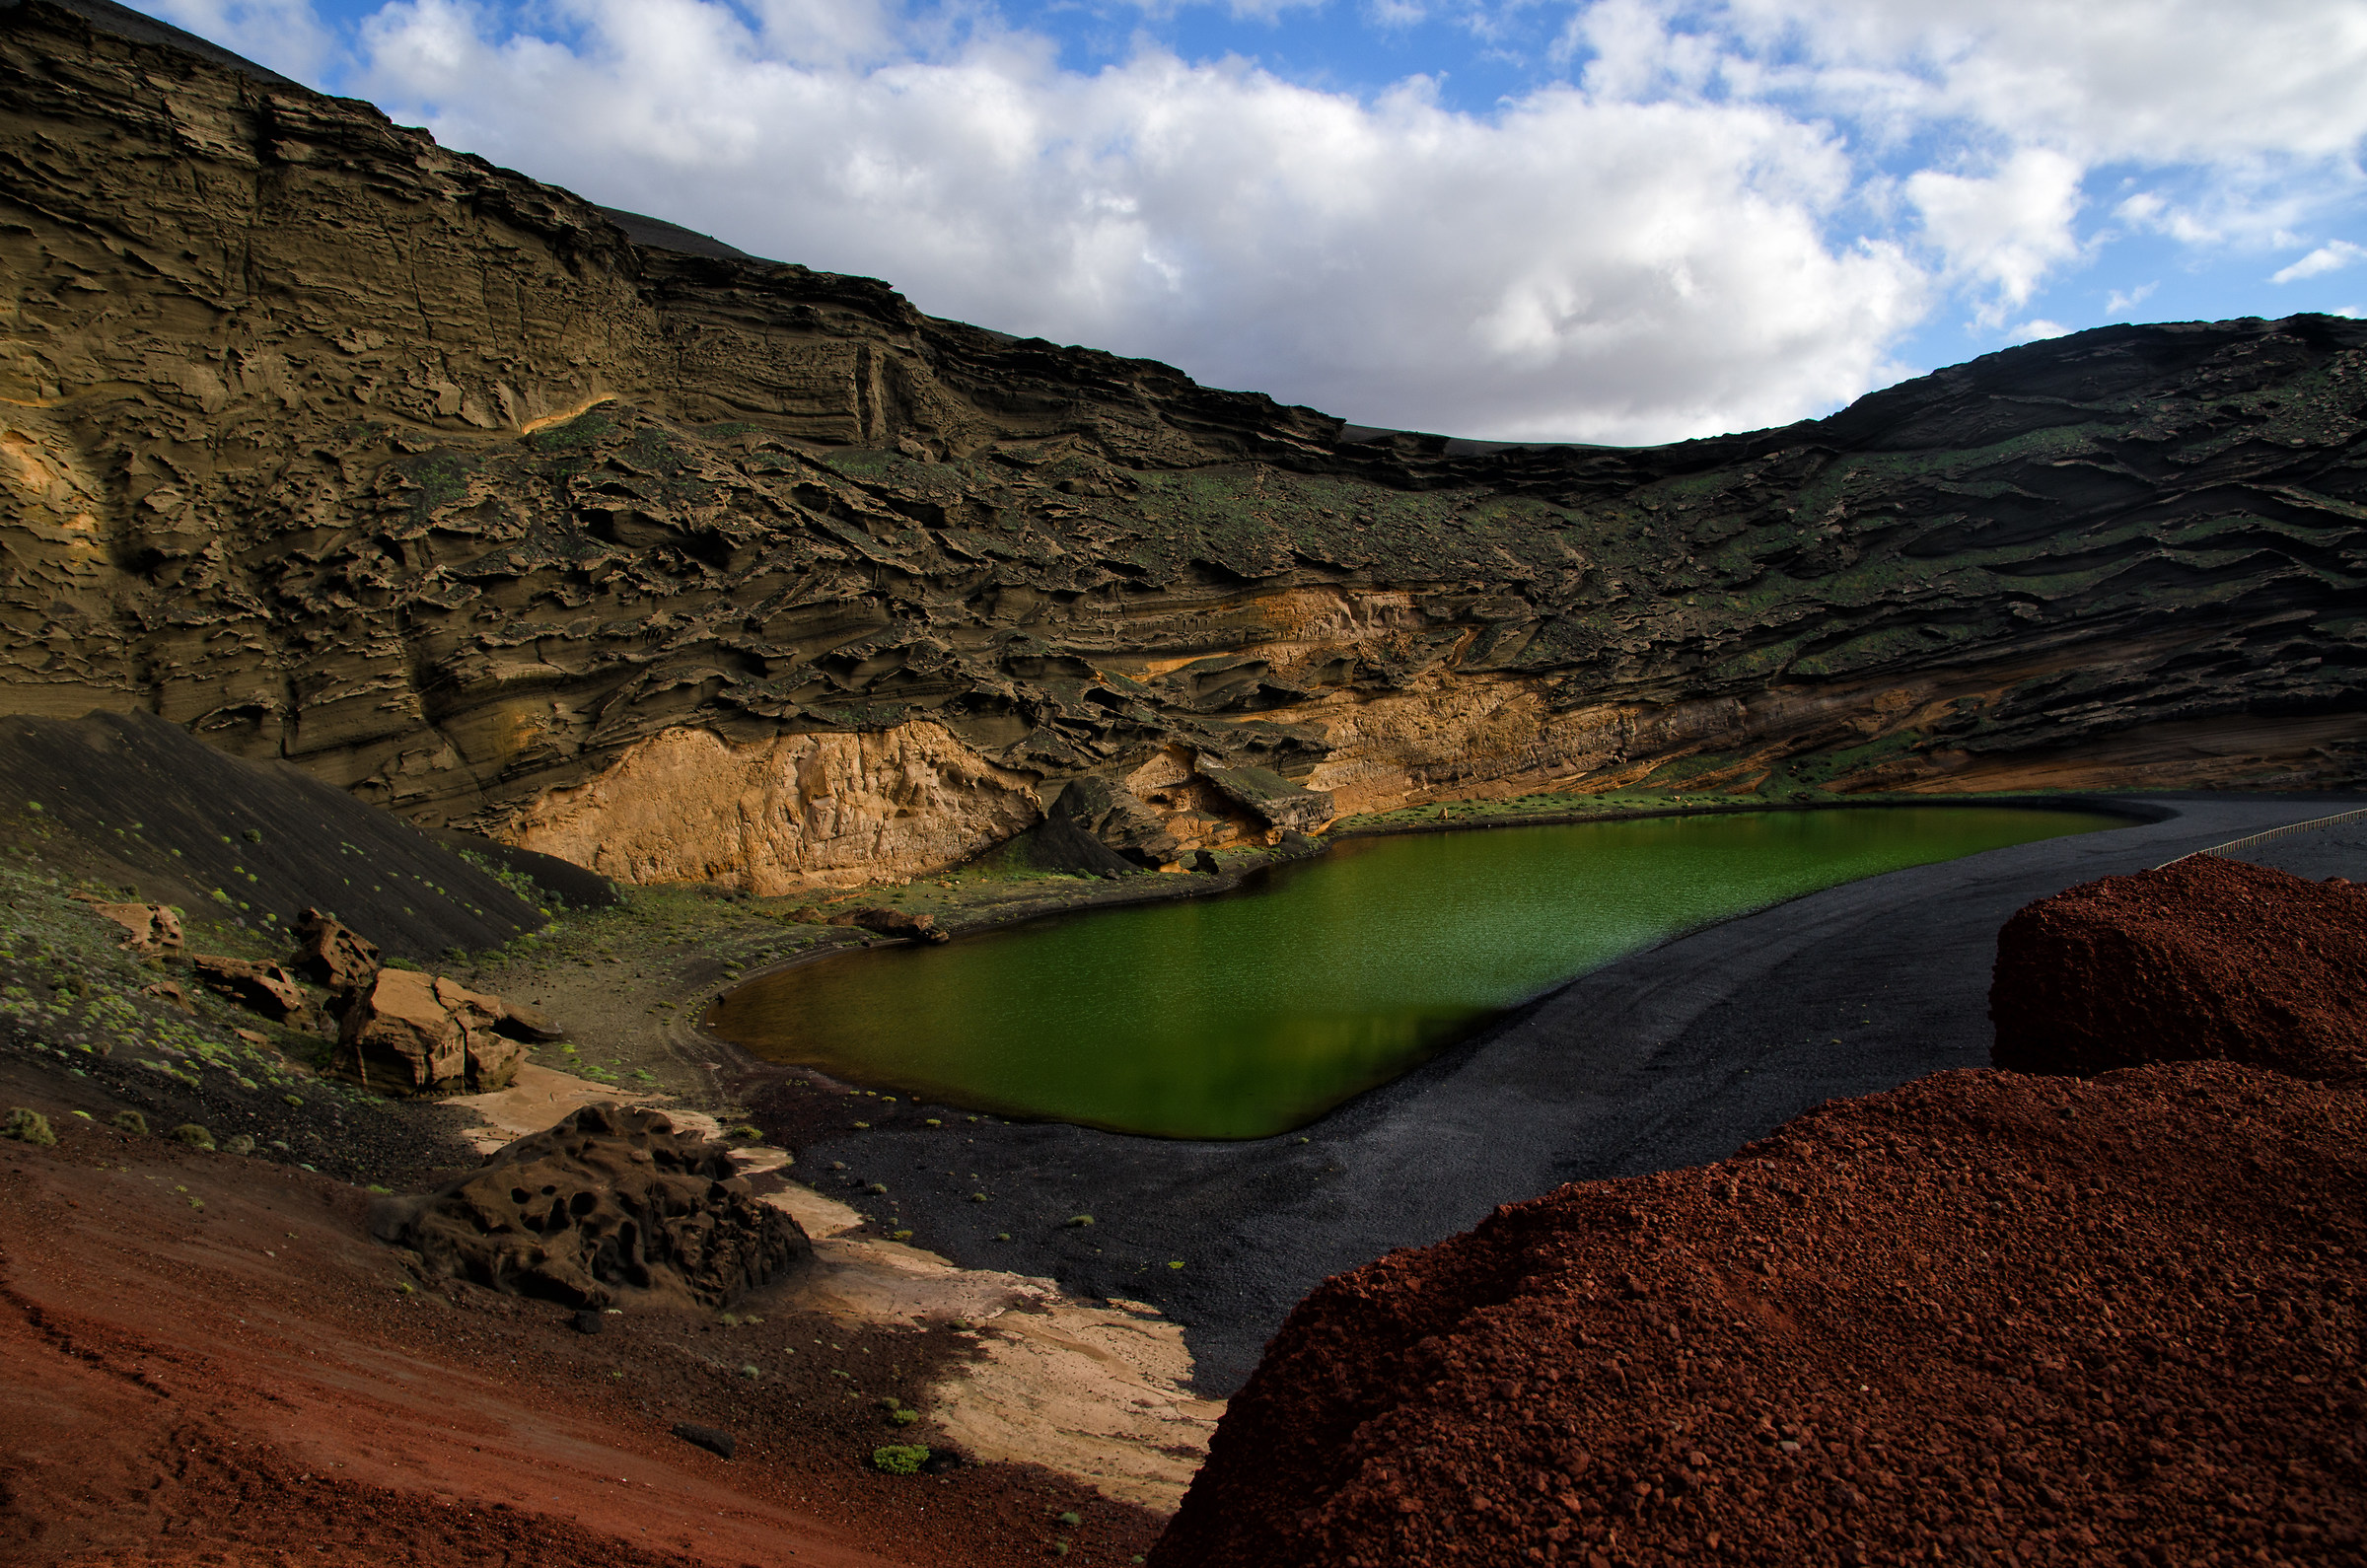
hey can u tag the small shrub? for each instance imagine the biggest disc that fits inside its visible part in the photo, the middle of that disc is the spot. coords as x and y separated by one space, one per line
130 1121
1072 1520
242 1144
29 1126
195 1136
1079 1220
904 1416
899 1459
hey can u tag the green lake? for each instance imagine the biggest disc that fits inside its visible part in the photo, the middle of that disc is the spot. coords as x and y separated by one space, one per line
1249 1015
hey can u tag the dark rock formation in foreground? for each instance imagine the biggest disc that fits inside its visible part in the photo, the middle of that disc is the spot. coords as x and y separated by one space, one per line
1986 1318
343 447
2205 959
610 1205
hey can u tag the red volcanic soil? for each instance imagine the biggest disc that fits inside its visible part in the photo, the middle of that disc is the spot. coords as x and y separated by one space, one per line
204 1358
1985 1318
2202 960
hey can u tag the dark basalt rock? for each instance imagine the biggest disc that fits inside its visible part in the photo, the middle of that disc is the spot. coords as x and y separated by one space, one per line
611 1206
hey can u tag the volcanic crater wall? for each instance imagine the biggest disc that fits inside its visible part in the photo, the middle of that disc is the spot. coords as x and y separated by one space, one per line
337 446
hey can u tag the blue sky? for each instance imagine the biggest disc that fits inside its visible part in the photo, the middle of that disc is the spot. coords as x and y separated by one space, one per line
1618 220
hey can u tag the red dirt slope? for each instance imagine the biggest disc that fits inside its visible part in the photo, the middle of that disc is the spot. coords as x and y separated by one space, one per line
204 1358
2203 960
1985 1318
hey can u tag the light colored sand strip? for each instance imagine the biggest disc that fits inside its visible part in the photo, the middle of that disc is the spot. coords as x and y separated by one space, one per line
1096 1392
540 1099
1093 1391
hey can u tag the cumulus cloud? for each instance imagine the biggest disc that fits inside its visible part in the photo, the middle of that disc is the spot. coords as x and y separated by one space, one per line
2006 229
285 34
1707 214
2326 258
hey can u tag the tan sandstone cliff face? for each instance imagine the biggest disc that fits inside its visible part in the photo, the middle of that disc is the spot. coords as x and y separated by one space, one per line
784 815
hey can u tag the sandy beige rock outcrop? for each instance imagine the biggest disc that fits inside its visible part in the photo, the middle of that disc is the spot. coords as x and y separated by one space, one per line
785 813
414 1034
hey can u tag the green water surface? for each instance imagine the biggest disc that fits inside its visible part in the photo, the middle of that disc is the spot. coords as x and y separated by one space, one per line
1250 1015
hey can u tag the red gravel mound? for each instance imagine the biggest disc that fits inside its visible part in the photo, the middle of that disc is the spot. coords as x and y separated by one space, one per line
1985 1318
2203 960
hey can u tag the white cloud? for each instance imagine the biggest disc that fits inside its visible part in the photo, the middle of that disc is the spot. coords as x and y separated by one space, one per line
284 35
2032 331
2326 258
2003 229
2120 302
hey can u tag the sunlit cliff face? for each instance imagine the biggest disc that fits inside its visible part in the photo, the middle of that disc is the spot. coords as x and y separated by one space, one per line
341 447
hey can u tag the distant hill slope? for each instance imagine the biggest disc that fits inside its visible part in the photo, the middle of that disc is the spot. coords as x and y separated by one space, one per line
340 447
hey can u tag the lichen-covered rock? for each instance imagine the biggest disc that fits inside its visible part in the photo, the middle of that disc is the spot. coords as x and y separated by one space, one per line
416 1033
2205 958
610 1205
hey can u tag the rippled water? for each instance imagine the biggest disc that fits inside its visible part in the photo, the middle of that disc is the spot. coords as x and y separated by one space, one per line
1249 1015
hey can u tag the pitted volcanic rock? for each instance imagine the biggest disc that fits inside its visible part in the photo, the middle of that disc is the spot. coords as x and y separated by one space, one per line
610 1205
2105 1320
2205 959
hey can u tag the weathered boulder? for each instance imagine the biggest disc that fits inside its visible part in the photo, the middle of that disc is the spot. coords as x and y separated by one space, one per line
2203 959
1115 819
1278 802
150 927
332 954
610 1205
416 1033
892 923
264 988
521 1021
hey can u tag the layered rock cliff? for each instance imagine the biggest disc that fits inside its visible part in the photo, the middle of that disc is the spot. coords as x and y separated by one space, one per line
337 446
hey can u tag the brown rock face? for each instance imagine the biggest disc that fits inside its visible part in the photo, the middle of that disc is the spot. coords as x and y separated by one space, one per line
264 988
2079 1321
149 927
705 566
892 923
331 954
610 1205
414 1034
2205 959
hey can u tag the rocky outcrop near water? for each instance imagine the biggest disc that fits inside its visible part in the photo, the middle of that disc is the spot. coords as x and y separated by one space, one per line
340 447
1986 1318
2205 958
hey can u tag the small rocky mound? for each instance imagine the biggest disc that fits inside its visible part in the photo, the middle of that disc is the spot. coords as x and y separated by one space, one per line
610 1205
2202 960
1986 1318
414 1034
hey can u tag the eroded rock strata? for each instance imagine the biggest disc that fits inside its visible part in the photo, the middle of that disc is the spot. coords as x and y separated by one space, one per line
344 448
1985 1318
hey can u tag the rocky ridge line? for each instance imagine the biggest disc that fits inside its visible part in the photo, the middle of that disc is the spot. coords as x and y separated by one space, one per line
340 447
